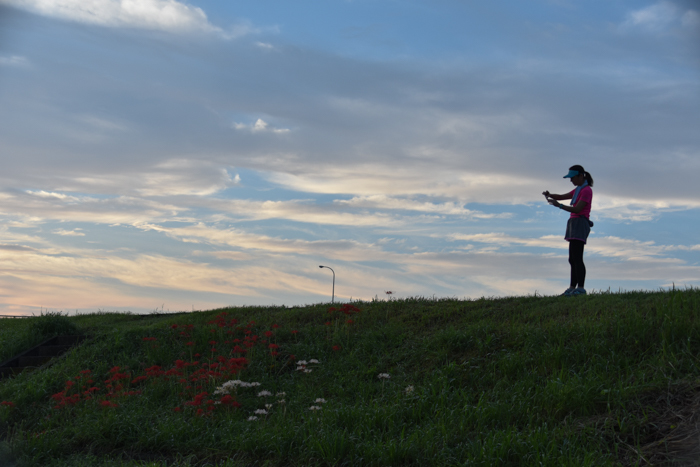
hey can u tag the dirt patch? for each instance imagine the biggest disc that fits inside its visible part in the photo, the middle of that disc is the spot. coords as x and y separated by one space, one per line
662 430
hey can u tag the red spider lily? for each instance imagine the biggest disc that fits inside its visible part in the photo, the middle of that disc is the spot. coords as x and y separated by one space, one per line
212 342
336 348
139 379
149 339
328 323
174 326
294 331
109 404
275 326
292 357
115 369
180 363
197 401
273 346
350 321
7 404
274 353
85 372
269 333
176 409
190 343
230 401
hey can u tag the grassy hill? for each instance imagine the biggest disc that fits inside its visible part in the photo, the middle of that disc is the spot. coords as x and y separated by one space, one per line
607 379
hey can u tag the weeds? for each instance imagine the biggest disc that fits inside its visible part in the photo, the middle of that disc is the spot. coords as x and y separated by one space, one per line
516 381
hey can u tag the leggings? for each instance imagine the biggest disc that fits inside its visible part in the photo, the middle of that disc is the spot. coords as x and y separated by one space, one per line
578 269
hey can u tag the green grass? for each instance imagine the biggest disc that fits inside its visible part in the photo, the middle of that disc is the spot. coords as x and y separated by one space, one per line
515 381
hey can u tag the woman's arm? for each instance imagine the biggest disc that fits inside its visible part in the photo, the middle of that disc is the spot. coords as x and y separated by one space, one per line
548 195
578 207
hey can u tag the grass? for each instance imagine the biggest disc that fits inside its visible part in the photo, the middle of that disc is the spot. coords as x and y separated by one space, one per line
598 380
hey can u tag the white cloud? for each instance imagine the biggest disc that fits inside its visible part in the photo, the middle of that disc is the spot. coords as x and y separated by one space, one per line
393 203
15 61
661 17
164 15
69 233
259 126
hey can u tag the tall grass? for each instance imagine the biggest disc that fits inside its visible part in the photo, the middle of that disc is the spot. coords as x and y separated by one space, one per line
515 381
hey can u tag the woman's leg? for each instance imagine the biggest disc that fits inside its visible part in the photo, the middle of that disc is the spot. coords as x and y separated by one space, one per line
578 269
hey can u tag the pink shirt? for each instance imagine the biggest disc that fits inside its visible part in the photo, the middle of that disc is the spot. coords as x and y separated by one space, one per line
586 194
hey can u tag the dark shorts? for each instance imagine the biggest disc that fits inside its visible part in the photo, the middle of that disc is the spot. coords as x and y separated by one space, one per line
577 228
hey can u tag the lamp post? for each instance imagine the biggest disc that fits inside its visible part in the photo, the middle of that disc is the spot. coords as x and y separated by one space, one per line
332 296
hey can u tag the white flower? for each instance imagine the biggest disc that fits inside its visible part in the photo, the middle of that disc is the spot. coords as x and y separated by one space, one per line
261 412
268 406
264 393
307 371
252 418
281 394
313 360
383 376
299 368
320 401
409 390
314 407
281 401
250 385
301 362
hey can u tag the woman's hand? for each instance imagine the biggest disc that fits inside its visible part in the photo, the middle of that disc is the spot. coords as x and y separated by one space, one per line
554 203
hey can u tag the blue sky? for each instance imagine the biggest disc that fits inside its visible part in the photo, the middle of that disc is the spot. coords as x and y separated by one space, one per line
192 155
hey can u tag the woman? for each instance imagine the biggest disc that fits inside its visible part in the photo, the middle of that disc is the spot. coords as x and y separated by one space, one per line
578 227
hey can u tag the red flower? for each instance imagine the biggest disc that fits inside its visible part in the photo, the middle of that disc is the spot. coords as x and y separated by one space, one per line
85 372
336 347
269 333
274 353
150 339
174 326
275 326
7 403
328 323
294 331
350 321
212 342
274 346
190 343
176 409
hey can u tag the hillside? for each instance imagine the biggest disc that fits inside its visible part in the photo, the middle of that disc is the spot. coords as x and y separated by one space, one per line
607 379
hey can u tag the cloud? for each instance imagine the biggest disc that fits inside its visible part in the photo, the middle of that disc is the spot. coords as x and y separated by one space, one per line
661 17
260 126
14 61
163 15
393 203
69 233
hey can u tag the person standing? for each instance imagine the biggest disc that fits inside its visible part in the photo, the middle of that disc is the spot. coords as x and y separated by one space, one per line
578 226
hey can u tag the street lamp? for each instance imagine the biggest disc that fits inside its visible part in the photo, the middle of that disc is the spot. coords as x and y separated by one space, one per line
332 296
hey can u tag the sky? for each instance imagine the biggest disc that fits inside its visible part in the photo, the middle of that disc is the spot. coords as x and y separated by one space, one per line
187 155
